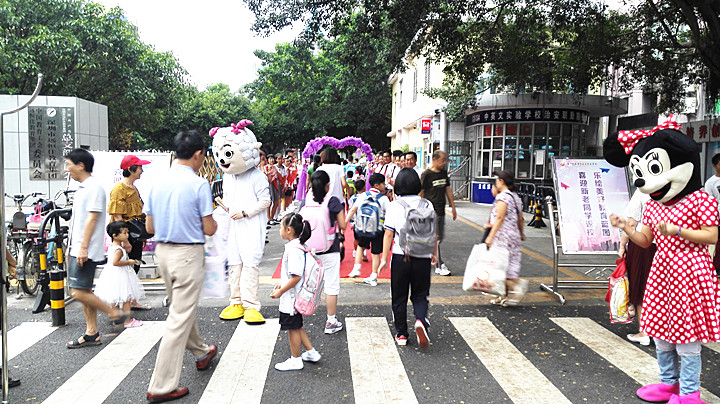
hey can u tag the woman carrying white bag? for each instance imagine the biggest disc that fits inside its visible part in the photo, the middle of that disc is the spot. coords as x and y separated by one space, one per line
507 232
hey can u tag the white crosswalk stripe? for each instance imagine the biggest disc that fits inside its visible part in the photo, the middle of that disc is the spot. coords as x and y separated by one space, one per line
240 375
715 346
622 354
377 371
510 368
26 335
94 382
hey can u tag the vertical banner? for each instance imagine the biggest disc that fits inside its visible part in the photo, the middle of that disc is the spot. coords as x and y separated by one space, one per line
588 191
51 135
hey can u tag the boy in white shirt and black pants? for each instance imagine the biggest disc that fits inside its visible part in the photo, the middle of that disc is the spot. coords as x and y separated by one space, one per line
409 271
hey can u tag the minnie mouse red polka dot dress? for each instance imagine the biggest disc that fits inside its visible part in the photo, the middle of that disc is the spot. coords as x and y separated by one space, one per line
682 296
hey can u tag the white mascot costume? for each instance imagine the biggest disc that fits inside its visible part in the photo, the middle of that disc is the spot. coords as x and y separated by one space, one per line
246 197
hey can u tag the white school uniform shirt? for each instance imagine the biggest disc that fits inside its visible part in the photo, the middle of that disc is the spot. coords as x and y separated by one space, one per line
395 219
293 263
336 174
712 187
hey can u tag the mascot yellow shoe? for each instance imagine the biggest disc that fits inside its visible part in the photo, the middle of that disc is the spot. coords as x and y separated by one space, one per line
253 317
233 312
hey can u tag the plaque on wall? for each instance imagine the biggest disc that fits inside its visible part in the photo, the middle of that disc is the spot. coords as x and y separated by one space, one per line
51 135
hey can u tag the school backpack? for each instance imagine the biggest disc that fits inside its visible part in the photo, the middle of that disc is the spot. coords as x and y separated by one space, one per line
369 218
417 234
322 233
313 282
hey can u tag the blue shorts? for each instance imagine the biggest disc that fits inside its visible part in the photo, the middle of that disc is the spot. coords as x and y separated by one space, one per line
81 277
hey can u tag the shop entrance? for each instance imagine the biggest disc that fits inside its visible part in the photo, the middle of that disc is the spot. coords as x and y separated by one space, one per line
459 168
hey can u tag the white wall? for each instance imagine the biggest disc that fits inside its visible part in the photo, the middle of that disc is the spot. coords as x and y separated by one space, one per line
91 130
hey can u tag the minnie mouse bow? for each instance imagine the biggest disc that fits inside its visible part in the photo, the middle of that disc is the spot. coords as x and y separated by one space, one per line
629 138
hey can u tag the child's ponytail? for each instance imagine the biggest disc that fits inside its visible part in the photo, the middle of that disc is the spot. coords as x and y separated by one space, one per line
301 228
306 231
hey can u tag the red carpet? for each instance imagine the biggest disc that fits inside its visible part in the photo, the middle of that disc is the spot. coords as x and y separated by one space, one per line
346 265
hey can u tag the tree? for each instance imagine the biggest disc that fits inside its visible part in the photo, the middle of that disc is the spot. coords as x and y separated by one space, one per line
532 45
88 52
338 91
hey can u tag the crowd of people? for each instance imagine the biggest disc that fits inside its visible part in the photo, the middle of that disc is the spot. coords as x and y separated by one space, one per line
373 198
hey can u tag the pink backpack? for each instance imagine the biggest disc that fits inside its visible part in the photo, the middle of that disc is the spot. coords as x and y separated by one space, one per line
313 282
318 215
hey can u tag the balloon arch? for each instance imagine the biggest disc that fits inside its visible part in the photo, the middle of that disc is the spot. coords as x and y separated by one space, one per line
315 145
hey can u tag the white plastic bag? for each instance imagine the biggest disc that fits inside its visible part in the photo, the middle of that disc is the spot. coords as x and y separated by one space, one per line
214 284
486 270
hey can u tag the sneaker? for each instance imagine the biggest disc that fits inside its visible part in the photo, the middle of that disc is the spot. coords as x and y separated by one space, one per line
643 340
401 340
332 328
442 270
372 281
311 356
422 336
355 271
133 323
290 363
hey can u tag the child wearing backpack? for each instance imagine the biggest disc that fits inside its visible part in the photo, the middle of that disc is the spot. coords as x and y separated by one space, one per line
326 214
410 222
359 190
369 212
296 231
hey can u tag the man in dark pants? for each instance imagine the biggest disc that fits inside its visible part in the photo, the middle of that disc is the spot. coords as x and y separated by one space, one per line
436 188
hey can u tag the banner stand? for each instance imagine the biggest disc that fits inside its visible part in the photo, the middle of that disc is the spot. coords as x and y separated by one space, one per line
587 192
598 269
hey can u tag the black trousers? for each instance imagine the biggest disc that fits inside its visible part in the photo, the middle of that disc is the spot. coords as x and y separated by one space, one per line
412 276
136 252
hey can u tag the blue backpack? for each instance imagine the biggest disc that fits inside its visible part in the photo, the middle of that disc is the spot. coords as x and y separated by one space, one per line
369 217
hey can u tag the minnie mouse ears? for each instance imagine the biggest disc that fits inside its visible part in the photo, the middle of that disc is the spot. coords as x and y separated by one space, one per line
614 152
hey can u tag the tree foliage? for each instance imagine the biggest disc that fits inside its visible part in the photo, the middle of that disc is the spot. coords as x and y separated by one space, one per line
86 51
334 87
531 45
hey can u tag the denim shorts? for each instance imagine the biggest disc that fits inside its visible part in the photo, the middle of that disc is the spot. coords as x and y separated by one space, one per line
81 277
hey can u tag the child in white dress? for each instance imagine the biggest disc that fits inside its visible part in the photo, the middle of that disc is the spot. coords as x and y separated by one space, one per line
118 283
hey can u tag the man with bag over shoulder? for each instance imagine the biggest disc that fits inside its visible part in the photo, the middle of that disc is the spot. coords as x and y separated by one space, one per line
179 213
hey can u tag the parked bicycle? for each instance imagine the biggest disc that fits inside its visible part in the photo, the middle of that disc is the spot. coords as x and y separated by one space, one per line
19 242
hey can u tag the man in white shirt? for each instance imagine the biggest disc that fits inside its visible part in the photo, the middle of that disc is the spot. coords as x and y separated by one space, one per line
411 161
87 246
712 187
390 170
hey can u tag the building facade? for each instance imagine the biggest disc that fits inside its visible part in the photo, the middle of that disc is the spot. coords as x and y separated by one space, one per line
36 138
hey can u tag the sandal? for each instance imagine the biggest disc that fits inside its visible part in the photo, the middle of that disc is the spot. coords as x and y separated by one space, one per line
85 340
498 301
140 307
133 323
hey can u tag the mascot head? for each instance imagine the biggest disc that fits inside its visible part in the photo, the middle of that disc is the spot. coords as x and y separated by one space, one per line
664 162
236 149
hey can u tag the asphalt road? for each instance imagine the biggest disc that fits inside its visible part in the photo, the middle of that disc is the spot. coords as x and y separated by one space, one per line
450 371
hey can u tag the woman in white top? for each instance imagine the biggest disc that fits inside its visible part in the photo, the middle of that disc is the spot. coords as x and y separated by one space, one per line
637 261
329 159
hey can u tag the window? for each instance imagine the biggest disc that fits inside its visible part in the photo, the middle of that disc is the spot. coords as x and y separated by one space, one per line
427 75
415 88
400 97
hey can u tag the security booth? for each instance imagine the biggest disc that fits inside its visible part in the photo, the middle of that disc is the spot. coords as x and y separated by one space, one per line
522 133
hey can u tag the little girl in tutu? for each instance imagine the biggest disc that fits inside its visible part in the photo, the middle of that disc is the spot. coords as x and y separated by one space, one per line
119 284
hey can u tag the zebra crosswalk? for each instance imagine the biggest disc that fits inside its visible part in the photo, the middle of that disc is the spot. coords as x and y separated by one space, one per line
373 368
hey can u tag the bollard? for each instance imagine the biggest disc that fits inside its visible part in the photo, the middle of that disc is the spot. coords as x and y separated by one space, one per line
537 221
57 291
43 297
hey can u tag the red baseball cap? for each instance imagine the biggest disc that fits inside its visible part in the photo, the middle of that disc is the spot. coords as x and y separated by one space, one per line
131 160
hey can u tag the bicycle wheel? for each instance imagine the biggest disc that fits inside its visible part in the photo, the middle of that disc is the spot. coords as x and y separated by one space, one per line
31 269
